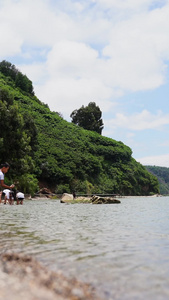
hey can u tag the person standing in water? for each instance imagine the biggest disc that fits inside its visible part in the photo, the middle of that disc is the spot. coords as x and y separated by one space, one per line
3 170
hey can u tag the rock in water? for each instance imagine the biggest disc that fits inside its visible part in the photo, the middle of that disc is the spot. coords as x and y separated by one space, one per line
104 200
66 197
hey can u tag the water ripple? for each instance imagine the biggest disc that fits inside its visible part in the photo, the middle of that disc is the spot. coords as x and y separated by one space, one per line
122 249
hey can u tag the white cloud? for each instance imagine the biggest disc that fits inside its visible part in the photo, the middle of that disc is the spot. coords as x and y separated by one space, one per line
6 34
158 160
138 48
35 23
133 55
75 92
71 59
92 50
139 121
36 72
130 135
75 77
123 5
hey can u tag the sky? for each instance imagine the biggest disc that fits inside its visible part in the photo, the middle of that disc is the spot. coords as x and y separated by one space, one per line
111 52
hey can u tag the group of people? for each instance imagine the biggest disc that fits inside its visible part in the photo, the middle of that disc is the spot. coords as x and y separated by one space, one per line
8 192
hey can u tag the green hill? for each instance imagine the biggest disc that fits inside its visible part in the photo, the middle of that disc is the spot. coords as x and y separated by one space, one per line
162 174
43 148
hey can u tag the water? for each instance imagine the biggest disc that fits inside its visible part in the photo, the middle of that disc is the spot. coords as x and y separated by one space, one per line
122 249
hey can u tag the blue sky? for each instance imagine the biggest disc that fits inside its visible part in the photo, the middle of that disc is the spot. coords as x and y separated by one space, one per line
112 52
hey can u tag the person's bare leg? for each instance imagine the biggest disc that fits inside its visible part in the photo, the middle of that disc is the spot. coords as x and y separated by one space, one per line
5 199
10 198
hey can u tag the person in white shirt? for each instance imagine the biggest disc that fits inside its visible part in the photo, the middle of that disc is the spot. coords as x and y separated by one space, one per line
19 198
8 196
3 170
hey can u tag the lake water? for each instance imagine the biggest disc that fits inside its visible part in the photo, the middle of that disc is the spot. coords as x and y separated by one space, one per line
122 249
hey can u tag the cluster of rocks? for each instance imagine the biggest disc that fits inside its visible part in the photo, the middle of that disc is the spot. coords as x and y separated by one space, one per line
104 200
68 198
44 192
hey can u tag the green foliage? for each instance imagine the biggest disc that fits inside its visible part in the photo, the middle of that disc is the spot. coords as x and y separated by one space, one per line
15 141
18 78
162 174
63 188
88 117
16 136
28 184
8 69
66 157
24 83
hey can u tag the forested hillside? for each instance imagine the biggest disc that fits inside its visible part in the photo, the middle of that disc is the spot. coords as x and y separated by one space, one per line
162 174
44 149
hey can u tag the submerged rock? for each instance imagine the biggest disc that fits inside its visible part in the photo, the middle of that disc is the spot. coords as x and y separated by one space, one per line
22 277
104 200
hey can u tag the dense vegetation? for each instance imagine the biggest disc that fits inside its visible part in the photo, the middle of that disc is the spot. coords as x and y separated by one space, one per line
162 174
88 117
20 80
42 148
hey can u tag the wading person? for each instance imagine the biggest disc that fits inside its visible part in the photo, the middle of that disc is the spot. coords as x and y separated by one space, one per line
3 170
19 198
9 195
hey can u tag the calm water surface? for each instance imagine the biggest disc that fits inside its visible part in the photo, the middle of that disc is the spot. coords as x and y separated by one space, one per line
122 249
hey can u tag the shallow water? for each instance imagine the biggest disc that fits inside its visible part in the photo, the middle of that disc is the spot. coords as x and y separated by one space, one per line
122 249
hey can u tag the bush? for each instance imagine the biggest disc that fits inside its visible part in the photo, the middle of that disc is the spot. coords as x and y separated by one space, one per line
62 188
28 184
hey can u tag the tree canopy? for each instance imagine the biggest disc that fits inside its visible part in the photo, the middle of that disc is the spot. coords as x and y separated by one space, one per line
19 79
88 117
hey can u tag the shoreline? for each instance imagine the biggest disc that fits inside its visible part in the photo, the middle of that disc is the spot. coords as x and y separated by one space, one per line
23 277
87 199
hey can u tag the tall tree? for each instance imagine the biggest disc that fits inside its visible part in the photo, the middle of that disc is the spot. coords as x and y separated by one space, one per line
89 117
16 134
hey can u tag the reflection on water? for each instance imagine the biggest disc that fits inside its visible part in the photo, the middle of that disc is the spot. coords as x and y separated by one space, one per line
121 249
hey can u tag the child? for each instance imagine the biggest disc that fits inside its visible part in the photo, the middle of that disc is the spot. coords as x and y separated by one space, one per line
8 196
19 197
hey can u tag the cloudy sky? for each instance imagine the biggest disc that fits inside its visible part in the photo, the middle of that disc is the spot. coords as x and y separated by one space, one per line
111 52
